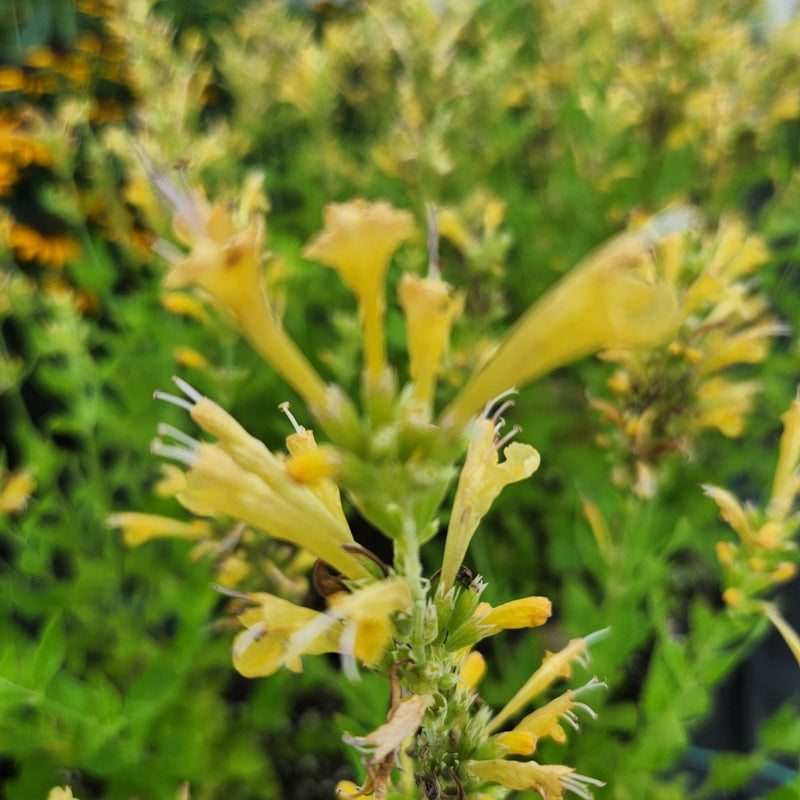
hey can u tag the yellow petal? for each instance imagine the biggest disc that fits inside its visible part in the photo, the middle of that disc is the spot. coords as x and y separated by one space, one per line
482 479
731 511
526 612
785 483
139 528
521 775
430 308
554 666
358 241
472 670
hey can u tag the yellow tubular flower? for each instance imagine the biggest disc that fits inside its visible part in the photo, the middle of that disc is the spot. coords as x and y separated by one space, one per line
526 612
226 262
472 670
550 780
482 479
603 302
362 622
516 743
314 466
139 528
554 666
430 308
16 491
732 512
263 648
786 482
358 241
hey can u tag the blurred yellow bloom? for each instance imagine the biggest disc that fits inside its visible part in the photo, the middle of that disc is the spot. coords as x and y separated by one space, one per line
358 241
16 490
139 528
482 478
189 357
786 482
225 261
430 307
607 300
262 649
179 303
59 793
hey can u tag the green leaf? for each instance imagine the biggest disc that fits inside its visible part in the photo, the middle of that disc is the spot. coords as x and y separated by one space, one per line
50 653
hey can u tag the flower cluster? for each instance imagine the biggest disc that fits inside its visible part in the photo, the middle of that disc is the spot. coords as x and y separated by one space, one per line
664 397
393 452
766 554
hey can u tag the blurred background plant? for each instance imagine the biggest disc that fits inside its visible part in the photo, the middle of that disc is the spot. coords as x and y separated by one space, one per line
537 133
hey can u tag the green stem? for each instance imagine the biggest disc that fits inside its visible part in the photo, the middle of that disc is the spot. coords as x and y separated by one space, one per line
407 552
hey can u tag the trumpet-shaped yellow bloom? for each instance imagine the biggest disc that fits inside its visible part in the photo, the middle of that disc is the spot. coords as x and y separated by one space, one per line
225 260
481 481
526 612
605 301
549 780
358 241
430 307
555 666
263 648
357 625
140 528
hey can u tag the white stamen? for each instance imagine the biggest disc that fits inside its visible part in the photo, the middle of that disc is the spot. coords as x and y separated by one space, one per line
250 636
188 389
176 453
495 400
232 592
594 683
347 647
178 435
168 251
298 428
570 717
501 443
181 402
596 636
575 784
583 707
434 271
496 418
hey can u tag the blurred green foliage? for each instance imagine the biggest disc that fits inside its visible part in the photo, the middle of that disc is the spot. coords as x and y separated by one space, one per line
537 132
